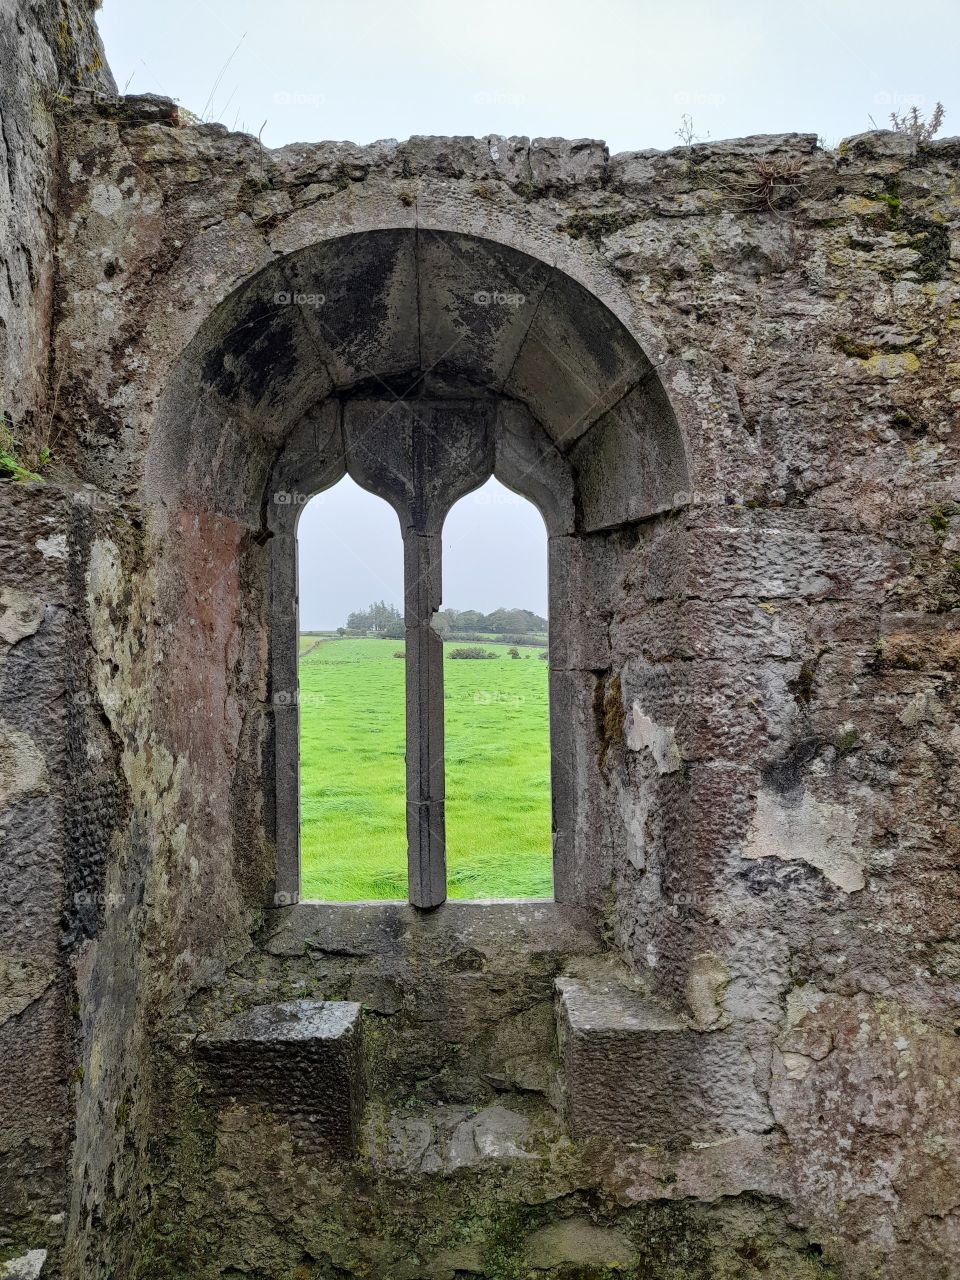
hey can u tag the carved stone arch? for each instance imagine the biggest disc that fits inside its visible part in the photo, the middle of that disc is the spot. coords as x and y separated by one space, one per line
420 363
463 444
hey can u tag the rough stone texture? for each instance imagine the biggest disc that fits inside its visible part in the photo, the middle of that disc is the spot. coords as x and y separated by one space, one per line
635 1072
27 1267
577 1242
741 360
46 50
37 565
300 1058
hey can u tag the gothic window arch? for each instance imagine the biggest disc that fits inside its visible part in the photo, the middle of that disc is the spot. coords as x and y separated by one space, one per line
422 458
421 362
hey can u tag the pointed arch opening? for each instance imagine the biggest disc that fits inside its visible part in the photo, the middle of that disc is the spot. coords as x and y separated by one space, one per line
351 697
496 697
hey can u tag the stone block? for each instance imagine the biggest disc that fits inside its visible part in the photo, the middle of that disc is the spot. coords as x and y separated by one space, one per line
360 331
576 362
300 1058
578 1242
511 938
556 162
636 1072
631 464
467 288
578 605
527 461
29 1266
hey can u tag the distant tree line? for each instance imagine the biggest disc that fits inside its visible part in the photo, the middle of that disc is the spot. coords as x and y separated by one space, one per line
457 622
512 626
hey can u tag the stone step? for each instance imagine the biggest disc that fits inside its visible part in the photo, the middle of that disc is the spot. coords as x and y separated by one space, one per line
634 1071
300 1058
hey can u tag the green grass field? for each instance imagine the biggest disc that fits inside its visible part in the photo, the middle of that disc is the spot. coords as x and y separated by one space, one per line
352 784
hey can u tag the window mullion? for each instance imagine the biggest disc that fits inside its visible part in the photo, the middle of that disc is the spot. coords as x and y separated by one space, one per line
426 836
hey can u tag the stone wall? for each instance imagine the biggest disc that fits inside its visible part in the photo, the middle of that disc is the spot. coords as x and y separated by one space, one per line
765 725
46 51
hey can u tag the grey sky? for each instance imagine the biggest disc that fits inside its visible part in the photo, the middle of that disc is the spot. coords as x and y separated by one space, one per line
494 554
614 69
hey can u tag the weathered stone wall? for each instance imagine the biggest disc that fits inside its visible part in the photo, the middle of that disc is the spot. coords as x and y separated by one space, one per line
45 50
768 737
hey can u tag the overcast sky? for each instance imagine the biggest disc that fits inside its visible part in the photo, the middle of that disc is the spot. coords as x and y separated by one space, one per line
626 71
622 70
494 554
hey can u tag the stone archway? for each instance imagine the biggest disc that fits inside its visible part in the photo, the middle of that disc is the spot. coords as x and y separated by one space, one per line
423 362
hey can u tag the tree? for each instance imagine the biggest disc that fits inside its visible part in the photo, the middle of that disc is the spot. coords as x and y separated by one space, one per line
469 620
379 616
513 621
513 624
444 621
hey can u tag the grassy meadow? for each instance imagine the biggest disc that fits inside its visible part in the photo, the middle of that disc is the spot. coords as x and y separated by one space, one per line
352 781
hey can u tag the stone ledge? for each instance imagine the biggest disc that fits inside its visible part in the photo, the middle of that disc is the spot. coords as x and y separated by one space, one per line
300 1058
130 108
393 932
636 1072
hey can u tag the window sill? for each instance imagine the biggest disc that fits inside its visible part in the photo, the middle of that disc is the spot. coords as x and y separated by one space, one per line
520 926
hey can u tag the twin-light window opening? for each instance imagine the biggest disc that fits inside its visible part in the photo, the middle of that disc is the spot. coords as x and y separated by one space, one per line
489 803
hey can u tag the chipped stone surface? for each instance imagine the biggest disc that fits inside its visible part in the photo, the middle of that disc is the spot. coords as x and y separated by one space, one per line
54 547
27 1267
21 983
643 734
494 1134
822 835
23 770
20 615
707 981
578 1242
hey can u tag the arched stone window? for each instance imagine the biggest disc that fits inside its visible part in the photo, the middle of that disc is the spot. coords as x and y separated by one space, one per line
496 713
352 742
421 456
421 363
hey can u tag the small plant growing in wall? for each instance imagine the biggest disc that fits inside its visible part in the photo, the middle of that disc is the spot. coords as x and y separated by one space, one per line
915 126
687 133
773 185
15 463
